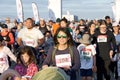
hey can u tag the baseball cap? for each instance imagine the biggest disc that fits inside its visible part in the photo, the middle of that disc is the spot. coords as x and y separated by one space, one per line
115 24
4 26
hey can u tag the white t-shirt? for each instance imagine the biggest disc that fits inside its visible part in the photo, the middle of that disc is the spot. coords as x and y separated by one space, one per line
30 37
86 55
4 53
10 25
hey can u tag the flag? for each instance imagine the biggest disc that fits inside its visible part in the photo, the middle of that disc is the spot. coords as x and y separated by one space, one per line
35 12
68 15
116 10
19 10
55 9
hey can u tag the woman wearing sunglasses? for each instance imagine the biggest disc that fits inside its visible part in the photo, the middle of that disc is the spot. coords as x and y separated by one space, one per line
63 54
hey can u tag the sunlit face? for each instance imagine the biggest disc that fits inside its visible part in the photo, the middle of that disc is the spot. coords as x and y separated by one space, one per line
108 20
50 23
7 20
116 29
62 38
47 35
81 22
29 24
25 58
4 29
103 28
21 24
92 27
42 22
63 24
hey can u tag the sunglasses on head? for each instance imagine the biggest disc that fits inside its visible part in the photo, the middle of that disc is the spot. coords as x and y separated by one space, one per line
61 36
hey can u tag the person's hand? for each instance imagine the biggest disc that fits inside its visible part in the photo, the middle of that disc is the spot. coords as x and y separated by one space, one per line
77 40
66 68
17 78
94 69
41 51
111 54
44 66
24 79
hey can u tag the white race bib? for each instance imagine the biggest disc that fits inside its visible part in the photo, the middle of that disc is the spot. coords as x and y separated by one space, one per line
29 42
102 38
63 60
86 52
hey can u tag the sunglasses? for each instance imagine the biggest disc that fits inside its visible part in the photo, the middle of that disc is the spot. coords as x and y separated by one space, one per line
103 27
61 36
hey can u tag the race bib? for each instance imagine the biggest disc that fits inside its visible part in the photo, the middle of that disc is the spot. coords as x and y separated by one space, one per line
29 42
86 52
102 38
63 60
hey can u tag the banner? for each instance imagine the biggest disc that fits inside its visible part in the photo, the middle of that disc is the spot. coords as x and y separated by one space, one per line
19 10
117 10
35 12
114 11
55 9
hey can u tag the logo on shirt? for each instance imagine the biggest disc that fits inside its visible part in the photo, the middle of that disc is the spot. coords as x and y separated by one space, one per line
86 54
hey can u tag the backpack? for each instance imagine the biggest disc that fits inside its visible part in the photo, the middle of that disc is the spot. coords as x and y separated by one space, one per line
70 52
6 37
51 73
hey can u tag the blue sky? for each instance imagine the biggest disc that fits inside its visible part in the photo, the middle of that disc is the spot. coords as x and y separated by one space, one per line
87 9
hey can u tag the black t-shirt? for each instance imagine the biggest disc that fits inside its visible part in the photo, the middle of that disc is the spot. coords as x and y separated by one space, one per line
105 43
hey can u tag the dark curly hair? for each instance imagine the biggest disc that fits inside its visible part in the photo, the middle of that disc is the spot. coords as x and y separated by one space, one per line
67 32
24 50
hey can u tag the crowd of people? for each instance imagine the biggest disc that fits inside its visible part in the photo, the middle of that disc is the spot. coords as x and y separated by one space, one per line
79 49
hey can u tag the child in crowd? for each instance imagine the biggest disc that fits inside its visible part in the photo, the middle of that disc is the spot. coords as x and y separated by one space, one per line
76 36
26 63
49 38
117 58
87 56
4 53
